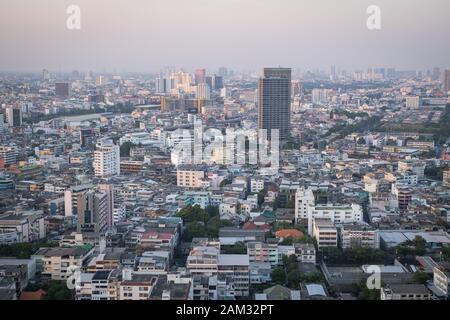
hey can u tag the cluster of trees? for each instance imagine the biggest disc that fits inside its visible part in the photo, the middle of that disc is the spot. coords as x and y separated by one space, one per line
238 248
364 293
22 250
356 256
201 222
416 247
55 290
290 275
125 148
436 173
344 129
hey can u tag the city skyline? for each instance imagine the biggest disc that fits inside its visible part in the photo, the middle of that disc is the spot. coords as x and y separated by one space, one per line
195 33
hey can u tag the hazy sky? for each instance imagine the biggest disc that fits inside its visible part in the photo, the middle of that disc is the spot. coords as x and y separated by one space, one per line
146 35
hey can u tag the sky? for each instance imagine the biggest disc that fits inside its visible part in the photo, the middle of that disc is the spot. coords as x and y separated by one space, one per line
244 35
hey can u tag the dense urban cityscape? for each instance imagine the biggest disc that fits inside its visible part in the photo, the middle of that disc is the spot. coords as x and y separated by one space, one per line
96 204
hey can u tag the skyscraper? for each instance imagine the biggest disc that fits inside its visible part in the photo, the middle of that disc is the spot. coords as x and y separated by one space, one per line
447 81
274 101
14 116
62 89
200 76
107 159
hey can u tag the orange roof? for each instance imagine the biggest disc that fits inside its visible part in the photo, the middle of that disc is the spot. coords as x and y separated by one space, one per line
252 226
289 233
30 295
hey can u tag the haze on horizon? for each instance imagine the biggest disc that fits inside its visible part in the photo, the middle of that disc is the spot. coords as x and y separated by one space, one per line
146 35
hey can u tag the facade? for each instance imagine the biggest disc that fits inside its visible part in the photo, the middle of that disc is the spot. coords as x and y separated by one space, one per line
325 233
274 101
305 252
338 214
58 261
441 279
263 252
26 226
106 160
447 81
405 292
359 236
236 266
190 178
303 199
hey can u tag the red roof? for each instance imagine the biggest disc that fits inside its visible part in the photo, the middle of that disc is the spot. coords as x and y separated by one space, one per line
156 235
29 295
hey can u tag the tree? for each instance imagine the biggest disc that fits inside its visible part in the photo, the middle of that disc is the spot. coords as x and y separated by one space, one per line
57 290
261 195
238 248
315 276
193 213
194 230
419 277
278 275
294 278
125 149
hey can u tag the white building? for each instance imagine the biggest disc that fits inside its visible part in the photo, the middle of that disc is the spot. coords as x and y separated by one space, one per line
303 199
357 235
413 102
325 233
338 214
107 160
256 184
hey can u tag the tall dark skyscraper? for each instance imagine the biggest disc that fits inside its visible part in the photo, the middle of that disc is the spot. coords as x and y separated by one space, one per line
274 101
62 90
447 81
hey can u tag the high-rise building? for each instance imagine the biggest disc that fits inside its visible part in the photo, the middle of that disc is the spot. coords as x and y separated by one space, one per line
320 96
86 137
8 155
223 72
200 76
107 159
203 91
92 211
274 101
62 90
413 102
447 81
14 116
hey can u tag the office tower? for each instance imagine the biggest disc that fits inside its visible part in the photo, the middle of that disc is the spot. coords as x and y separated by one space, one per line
447 81
92 211
100 80
217 82
200 76
223 72
274 101
75 75
391 73
14 116
45 75
108 189
209 82
436 73
203 92
161 85
413 102
319 96
296 88
62 90
106 159
87 136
